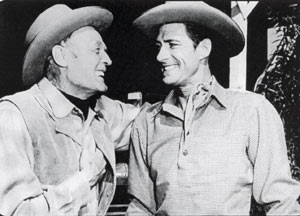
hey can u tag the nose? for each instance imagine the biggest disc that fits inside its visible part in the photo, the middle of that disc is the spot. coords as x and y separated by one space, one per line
106 59
162 54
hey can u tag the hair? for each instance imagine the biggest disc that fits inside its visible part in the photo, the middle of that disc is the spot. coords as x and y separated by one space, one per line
196 33
51 69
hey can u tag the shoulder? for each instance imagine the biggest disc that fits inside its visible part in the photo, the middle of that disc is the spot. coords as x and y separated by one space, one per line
22 99
9 103
252 103
8 108
246 98
11 118
19 104
148 111
145 119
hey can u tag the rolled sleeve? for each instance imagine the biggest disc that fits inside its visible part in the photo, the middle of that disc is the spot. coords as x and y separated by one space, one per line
273 185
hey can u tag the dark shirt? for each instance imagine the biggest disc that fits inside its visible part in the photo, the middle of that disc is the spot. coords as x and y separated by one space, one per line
83 105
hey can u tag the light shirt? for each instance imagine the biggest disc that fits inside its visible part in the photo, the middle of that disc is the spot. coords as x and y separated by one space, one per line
40 168
233 148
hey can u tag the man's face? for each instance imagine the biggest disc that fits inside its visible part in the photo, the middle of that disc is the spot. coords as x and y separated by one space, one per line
86 62
177 55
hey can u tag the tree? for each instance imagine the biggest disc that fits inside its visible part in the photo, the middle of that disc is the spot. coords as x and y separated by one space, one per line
280 80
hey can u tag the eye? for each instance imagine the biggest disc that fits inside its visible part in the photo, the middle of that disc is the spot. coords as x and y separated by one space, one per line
97 50
173 45
157 46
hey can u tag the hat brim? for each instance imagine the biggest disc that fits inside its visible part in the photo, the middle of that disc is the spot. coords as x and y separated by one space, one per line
198 13
41 46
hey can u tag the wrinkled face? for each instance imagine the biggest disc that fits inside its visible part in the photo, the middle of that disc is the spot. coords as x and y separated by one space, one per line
178 58
86 62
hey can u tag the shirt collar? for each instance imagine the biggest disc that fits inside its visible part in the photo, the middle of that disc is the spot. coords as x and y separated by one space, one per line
170 103
219 93
59 104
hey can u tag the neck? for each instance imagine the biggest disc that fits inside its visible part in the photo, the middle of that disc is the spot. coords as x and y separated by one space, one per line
201 76
83 105
64 87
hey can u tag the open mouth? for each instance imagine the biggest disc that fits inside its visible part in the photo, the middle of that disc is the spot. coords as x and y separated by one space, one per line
100 74
168 67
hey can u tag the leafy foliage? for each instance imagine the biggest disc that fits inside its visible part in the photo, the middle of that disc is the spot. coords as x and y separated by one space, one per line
280 81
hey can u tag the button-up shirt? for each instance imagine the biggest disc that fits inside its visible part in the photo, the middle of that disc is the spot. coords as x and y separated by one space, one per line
234 147
42 138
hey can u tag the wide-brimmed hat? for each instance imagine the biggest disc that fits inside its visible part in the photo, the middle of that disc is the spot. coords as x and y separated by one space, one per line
52 26
197 13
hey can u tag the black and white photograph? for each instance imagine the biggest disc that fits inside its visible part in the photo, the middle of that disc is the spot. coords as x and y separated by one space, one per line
149 107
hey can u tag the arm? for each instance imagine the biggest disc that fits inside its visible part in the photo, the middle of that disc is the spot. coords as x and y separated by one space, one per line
140 184
119 117
273 185
21 193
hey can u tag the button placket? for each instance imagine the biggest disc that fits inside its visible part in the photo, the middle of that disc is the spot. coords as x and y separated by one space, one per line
182 160
183 157
188 120
197 98
185 152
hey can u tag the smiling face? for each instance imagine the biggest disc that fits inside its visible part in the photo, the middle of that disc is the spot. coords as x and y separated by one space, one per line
86 61
177 55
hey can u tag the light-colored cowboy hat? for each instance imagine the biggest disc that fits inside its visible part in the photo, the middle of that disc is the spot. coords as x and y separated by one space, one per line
52 26
198 13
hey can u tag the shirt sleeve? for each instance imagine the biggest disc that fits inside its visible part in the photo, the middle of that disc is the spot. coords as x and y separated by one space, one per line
119 117
21 193
140 184
273 185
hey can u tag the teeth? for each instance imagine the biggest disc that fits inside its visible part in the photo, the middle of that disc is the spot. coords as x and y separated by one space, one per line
170 67
100 73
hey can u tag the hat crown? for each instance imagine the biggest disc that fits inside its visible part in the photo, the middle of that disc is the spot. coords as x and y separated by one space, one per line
222 29
45 19
53 25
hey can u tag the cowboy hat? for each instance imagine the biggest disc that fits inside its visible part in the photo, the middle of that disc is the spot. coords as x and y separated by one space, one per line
52 26
198 13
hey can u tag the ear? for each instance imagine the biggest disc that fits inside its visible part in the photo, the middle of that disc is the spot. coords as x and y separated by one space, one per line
204 48
59 56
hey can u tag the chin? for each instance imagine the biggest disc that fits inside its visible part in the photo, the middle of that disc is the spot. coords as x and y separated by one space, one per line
102 90
102 87
168 81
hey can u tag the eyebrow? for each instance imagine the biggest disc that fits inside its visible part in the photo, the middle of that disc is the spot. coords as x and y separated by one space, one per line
168 40
172 39
101 45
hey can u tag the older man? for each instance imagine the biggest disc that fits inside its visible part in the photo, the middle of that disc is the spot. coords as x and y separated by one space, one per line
205 150
57 139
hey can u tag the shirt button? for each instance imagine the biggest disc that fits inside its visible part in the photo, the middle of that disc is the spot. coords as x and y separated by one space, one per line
185 152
